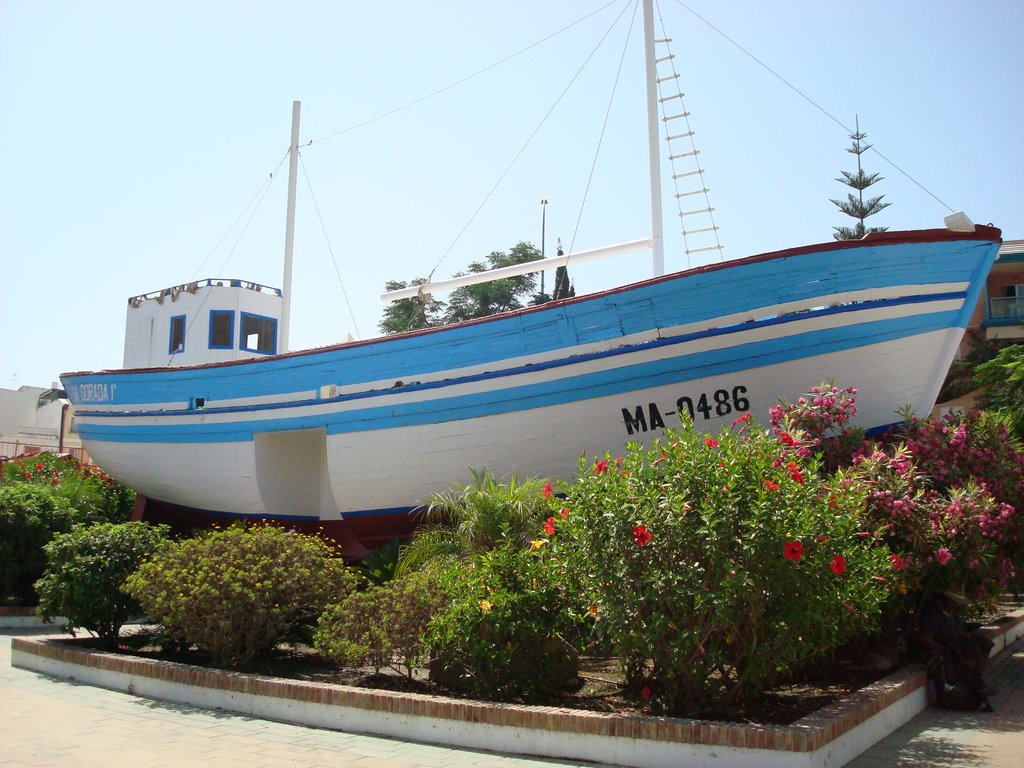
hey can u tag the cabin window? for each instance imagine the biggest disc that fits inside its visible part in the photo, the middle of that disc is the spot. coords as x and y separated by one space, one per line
177 343
222 328
259 334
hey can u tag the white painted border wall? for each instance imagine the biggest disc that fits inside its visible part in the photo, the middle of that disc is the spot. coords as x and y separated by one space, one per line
496 738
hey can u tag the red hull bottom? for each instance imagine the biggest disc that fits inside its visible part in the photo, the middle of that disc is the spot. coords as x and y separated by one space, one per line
355 538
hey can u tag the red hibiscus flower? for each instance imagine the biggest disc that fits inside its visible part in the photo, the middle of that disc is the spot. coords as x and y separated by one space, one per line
641 536
793 550
549 526
40 467
771 486
838 564
794 472
601 467
898 563
565 512
741 419
786 439
710 442
547 491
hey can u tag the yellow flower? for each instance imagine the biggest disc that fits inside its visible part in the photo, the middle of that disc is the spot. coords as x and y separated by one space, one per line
485 606
537 544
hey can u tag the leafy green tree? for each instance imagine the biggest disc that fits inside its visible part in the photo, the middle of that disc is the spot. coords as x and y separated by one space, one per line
475 518
855 205
410 314
85 571
496 296
1003 379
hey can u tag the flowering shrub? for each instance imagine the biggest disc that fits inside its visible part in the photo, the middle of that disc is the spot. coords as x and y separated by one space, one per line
381 626
715 566
501 635
95 495
29 517
236 593
947 492
948 498
957 451
86 570
818 423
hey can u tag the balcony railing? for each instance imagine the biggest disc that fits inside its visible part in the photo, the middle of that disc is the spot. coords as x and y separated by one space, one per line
1006 310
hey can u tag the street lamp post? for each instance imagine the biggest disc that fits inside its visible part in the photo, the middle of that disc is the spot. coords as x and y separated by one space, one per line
543 221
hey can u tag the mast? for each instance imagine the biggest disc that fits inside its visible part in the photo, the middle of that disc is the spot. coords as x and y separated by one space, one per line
289 231
653 134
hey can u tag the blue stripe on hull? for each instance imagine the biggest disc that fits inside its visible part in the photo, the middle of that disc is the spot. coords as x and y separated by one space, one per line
671 302
680 368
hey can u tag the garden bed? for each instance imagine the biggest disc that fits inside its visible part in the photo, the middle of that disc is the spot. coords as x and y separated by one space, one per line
600 683
827 737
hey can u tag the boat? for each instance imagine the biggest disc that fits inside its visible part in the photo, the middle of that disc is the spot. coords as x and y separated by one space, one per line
353 438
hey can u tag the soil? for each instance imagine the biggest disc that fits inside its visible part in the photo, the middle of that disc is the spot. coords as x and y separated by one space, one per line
600 682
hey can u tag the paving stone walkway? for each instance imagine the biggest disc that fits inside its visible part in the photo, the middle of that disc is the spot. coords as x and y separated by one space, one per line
46 722
938 738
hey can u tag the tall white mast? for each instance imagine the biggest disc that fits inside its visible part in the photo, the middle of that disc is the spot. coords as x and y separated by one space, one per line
289 231
653 136
656 242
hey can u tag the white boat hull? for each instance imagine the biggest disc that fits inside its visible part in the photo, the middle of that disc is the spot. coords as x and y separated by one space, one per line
367 431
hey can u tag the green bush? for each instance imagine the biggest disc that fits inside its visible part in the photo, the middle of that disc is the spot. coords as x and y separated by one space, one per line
1003 380
30 515
236 593
714 567
96 497
382 626
463 521
86 570
501 635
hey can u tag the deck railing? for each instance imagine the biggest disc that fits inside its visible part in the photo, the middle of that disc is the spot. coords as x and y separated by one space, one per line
1006 309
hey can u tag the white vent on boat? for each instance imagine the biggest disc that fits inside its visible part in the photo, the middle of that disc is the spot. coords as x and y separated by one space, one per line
959 222
700 233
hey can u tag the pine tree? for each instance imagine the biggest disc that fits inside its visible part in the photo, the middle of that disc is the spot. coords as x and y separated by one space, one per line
855 205
563 288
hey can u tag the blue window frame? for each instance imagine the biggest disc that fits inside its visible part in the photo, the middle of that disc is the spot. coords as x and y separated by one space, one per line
222 328
176 344
258 334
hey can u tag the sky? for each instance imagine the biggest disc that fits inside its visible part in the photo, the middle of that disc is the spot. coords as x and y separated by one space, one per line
143 144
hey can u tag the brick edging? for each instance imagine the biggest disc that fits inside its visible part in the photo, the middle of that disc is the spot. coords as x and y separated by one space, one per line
805 735
808 734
